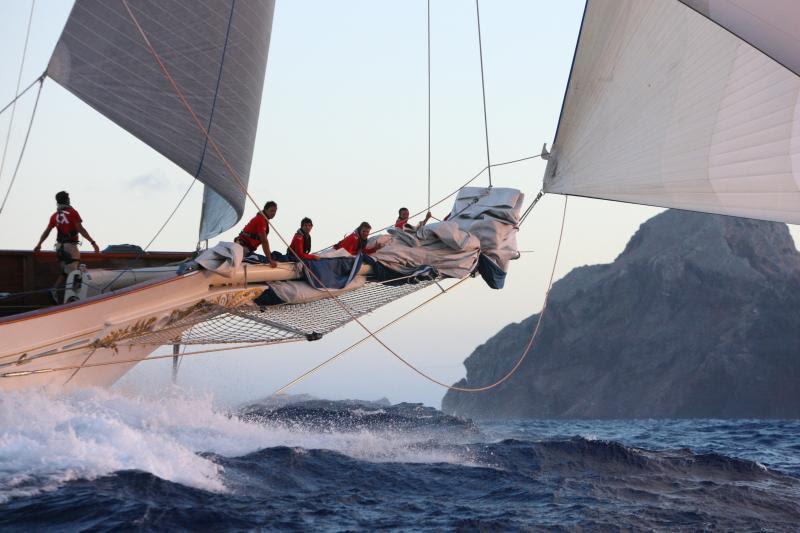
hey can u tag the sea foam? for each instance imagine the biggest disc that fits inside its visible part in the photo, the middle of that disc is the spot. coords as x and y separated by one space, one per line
46 440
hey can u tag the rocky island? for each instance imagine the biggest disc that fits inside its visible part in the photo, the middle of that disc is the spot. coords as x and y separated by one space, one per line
699 316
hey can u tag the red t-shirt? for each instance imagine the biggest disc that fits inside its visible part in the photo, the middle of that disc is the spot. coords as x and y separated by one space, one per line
297 245
66 223
350 243
252 230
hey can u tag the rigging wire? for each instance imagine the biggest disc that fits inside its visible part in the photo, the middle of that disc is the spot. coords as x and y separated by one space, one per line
429 105
16 91
428 377
483 89
24 145
240 183
25 90
307 373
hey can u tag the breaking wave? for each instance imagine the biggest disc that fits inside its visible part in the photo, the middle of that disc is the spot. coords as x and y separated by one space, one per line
100 459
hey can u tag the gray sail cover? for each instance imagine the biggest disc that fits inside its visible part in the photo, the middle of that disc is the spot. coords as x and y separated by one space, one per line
215 50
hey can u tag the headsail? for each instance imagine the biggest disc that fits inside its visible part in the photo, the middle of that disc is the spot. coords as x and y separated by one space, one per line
772 26
666 106
215 50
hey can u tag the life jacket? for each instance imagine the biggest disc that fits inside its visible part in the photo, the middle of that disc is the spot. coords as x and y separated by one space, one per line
248 237
306 243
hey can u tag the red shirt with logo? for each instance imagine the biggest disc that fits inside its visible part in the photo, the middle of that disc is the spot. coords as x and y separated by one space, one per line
66 222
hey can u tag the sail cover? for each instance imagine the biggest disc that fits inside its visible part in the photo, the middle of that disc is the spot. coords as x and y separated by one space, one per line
669 105
216 52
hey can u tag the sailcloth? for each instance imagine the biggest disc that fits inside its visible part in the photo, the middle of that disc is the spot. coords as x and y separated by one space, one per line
686 104
216 52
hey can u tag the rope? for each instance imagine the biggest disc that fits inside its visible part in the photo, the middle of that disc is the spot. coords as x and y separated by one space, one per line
307 373
233 173
20 95
24 145
463 185
16 91
483 88
527 347
127 361
423 374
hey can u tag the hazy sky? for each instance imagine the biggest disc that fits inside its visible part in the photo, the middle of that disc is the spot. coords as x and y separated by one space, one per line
342 138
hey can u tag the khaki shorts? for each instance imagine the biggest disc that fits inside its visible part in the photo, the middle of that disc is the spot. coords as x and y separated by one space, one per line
65 252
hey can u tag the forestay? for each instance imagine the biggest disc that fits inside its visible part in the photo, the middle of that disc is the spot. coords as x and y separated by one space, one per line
670 106
216 52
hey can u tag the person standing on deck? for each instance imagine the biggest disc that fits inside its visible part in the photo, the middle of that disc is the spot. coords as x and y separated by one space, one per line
301 243
255 233
68 225
356 242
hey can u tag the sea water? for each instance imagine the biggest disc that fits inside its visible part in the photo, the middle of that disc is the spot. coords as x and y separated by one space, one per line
105 460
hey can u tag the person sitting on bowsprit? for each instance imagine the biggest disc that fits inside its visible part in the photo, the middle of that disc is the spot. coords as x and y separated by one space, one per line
68 225
301 242
255 233
356 242
402 220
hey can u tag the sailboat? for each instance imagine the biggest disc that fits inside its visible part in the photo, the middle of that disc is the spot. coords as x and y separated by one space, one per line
186 78
686 104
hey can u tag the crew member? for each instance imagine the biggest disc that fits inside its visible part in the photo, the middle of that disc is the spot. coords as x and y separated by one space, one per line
68 225
402 220
301 242
255 233
356 242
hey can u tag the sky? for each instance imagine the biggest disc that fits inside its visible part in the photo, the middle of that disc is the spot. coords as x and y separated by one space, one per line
342 137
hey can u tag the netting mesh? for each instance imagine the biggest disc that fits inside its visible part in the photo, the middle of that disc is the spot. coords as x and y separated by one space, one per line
212 323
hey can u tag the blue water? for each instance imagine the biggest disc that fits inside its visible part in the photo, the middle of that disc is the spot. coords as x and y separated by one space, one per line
103 460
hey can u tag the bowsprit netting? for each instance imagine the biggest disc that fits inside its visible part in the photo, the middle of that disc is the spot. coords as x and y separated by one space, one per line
212 323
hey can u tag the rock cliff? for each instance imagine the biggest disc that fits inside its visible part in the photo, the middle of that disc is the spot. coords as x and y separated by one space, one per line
699 316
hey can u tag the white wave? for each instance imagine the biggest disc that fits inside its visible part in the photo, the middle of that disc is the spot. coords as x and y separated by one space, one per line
46 440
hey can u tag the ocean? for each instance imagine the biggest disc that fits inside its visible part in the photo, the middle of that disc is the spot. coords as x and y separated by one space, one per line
103 460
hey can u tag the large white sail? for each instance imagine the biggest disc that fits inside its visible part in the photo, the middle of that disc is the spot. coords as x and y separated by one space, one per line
667 106
216 52
772 26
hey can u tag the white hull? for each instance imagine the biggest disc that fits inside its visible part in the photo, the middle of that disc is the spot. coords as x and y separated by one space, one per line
82 335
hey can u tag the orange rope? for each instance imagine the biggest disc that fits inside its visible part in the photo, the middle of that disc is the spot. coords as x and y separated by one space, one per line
241 185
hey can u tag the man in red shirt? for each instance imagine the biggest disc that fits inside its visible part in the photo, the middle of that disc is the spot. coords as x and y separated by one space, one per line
255 233
402 220
301 242
356 242
68 224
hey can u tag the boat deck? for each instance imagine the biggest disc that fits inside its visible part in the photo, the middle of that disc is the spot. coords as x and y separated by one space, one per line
31 273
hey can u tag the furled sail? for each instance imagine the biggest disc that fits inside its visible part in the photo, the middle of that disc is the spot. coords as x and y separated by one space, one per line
216 53
670 105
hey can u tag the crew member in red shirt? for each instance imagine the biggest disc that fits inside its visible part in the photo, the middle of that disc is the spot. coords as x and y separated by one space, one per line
68 225
402 220
356 242
255 233
301 242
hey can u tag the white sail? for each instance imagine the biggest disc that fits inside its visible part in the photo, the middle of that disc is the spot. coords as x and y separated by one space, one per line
216 52
666 107
773 26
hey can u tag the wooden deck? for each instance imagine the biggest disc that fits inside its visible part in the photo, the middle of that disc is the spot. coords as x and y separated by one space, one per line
25 271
